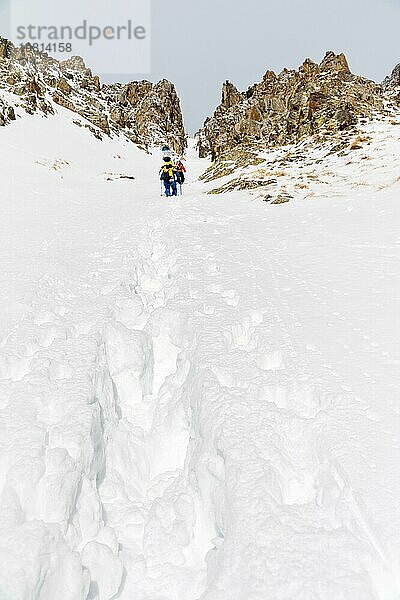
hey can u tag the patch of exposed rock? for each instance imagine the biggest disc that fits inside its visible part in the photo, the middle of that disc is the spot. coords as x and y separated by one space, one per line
267 174
146 113
7 113
315 100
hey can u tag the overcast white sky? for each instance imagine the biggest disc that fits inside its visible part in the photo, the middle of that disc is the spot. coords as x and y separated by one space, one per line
203 43
198 45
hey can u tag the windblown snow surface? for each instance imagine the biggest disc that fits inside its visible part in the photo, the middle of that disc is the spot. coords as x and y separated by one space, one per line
199 398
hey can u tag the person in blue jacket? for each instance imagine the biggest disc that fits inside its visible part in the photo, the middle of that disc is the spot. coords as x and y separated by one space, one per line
169 177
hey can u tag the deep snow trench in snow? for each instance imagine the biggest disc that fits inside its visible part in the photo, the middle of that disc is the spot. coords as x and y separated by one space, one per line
199 397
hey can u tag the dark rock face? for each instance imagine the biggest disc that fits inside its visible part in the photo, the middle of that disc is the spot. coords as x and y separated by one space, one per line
314 100
391 85
5 48
146 113
392 80
7 113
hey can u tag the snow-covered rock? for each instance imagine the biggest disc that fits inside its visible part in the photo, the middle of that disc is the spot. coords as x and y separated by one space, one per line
146 113
315 100
391 84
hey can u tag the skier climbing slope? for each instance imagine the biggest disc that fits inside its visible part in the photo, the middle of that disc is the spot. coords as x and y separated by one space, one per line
168 175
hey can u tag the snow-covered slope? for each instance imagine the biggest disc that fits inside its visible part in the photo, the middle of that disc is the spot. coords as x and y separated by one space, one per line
199 397
365 160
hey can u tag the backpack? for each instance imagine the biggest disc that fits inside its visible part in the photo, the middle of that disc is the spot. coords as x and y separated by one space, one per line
168 172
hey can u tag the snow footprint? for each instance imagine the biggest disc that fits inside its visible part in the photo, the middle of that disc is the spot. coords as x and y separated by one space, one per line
271 361
231 297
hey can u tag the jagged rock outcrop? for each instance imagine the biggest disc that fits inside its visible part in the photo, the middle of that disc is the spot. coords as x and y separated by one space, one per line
5 48
146 113
391 85
314 100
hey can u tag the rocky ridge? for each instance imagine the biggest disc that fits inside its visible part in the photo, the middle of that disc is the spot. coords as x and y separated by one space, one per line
316 100
144 112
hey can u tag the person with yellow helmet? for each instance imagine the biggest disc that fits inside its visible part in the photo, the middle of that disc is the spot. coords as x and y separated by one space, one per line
168 176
